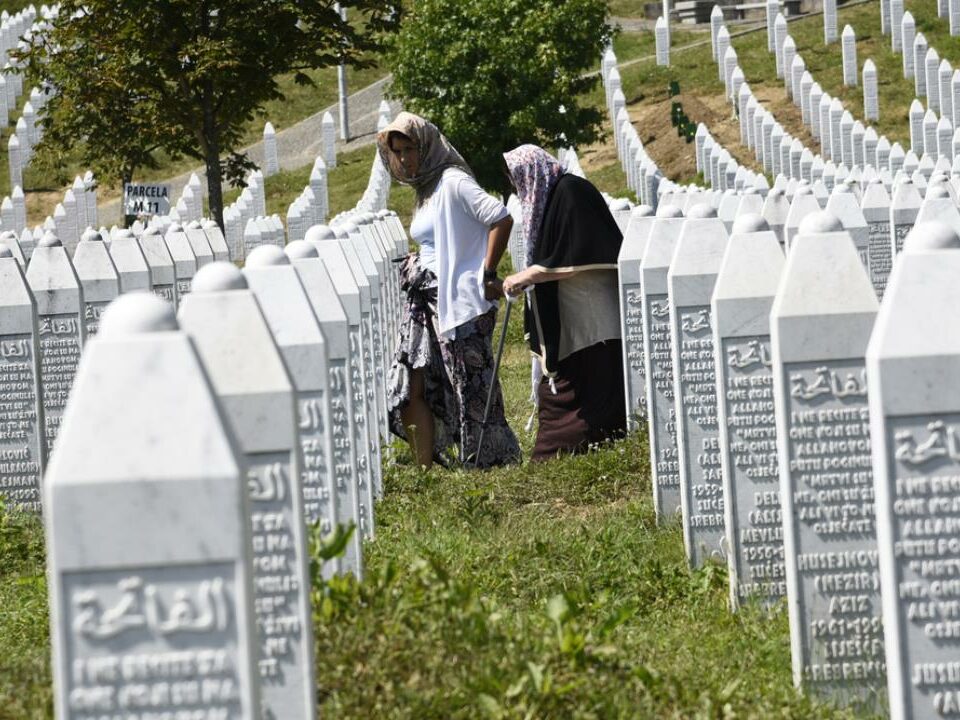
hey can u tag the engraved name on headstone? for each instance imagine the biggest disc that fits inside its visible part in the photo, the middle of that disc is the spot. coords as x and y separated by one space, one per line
690 280
332 317
658 359
820 324
741 303
60 326
22 444
295 328
631 314
249 377
98 278
913 366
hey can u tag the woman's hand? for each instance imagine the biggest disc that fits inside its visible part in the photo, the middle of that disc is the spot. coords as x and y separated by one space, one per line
493 289
514 285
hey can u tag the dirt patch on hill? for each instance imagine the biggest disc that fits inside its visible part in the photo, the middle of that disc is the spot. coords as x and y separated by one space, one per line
674 155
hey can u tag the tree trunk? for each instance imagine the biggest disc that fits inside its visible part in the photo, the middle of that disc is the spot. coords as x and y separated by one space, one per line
211 134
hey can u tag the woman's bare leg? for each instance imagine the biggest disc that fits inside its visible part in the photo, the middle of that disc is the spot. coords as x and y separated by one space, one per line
418 421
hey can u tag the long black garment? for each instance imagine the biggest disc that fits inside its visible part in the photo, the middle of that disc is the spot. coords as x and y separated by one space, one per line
578 233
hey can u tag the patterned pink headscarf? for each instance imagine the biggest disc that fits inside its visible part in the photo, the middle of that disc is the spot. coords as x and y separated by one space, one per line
534 172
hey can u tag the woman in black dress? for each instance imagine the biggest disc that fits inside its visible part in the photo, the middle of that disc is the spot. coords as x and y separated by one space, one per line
572 309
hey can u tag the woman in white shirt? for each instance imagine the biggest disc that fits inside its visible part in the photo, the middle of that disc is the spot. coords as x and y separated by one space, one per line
443 367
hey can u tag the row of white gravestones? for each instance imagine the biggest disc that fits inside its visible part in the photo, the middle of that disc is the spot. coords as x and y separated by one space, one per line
68 298
708 353
798 374
275 377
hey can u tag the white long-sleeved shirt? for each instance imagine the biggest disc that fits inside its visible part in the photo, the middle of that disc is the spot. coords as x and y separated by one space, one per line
464 215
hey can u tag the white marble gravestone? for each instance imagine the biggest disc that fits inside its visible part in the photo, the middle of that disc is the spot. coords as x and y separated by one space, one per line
658 359
198 242
820 324
215 238
155 606
131 264
184 261
914 365
875 205
631 315
662 41
904 208
331 253
896 20
378 329
271 163
908 34
776 208
249 377
98 278
371 404
829 21
331 315
844 206
871 101
163 274
690 281
804 204
22 444
744 292
61 332
931 65
919 65
297 332
849 51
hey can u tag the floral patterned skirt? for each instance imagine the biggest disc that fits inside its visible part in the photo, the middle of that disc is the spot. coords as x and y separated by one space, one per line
457 377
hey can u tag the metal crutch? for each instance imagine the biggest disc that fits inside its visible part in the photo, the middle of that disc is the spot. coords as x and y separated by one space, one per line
496 375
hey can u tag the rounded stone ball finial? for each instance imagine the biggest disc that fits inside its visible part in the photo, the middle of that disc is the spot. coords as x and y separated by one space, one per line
127 233
349 227
820 222
749 223
702 210
937 191
267 256
642 211
194 225
135 313
803 190
669 211
49 240
152 231
219 277
5 251
318 233
175 227
340 233
751 191
931 235
776 192
301 249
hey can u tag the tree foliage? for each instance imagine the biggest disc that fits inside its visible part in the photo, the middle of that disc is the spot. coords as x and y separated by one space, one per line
184 76
493 74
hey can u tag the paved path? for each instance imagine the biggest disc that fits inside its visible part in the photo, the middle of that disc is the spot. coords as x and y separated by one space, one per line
297 145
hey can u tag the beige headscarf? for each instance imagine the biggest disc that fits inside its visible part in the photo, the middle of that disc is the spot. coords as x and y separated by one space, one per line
436 153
